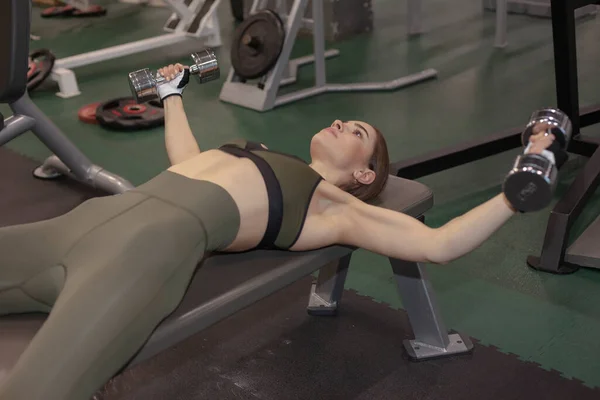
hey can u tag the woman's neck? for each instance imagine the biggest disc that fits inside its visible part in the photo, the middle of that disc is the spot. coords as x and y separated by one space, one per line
331 175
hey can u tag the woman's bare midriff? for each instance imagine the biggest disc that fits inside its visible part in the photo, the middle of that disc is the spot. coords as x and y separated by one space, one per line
243 181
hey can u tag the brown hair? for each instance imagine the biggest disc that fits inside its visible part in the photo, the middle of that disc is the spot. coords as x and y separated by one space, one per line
380 163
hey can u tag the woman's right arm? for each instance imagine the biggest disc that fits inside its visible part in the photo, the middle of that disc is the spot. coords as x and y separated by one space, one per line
179 140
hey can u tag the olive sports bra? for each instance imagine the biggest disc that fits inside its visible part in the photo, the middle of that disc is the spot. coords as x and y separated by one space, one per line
290 183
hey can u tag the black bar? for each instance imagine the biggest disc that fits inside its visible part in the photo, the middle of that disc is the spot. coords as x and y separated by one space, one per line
565 59
584 146
564 214
454 156
464 153
589 115
575 4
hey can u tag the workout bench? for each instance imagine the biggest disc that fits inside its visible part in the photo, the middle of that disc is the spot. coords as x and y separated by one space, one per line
255 275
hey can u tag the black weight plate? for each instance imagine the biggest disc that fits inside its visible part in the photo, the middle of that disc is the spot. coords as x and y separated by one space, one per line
125 114
257 44
40 66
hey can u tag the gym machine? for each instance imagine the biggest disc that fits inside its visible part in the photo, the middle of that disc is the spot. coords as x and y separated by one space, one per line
555 256
261 51
67 159
537 8
191 19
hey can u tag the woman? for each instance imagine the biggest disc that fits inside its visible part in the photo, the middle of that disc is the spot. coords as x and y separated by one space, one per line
111 269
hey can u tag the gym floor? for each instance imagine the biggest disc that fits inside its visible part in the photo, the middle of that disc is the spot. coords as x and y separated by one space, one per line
529 327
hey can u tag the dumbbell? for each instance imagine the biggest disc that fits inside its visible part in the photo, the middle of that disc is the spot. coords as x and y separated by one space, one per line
144 84
530 184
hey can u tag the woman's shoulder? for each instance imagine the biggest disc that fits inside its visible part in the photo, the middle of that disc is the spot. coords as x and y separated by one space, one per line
327 191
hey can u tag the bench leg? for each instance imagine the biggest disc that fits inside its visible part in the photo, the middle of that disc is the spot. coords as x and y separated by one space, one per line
326 293
432 340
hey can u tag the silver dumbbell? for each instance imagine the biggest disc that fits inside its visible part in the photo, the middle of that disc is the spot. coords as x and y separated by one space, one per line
530 184
144 84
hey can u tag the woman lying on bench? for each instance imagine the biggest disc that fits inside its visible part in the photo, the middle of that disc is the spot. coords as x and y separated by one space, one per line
111 269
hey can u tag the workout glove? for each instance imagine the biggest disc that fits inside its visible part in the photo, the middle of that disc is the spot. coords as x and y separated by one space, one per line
175 86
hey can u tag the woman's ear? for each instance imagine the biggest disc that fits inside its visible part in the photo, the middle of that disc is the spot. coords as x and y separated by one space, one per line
365 176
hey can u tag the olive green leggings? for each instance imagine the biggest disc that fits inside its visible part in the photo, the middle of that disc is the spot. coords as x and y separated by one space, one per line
108 273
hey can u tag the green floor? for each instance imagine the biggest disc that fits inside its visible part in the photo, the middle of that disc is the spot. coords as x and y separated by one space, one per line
490 294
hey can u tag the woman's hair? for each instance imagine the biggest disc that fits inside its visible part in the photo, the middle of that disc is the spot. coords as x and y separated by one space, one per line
380 163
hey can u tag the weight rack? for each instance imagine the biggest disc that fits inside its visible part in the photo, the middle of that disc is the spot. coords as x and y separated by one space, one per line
191 19
555 257
263 96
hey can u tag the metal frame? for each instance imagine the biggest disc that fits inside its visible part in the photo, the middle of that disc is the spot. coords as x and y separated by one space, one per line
27 116
263 96
68 159
555 257
531 7
194 19
432 339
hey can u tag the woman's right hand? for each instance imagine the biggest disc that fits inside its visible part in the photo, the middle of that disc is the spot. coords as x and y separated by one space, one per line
177 77
170 71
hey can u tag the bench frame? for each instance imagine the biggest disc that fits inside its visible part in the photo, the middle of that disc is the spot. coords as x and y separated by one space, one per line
431 338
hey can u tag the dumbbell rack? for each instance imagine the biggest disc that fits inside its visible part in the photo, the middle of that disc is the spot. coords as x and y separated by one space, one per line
190 19
264 95
555 257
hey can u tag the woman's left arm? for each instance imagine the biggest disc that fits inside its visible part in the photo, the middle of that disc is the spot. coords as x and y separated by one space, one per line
398 235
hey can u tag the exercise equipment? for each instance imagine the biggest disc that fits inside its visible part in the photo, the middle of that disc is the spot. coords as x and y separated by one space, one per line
87 113
58 11
191 19
91 11
257 43
74 8
237 9
14 59
144 84
126 114
263 95
40 66
531 182
556 256
538 8
257 274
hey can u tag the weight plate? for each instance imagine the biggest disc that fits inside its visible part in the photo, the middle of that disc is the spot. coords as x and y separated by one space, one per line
87 113
257 44
59 11
40 66
91 11
125 114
